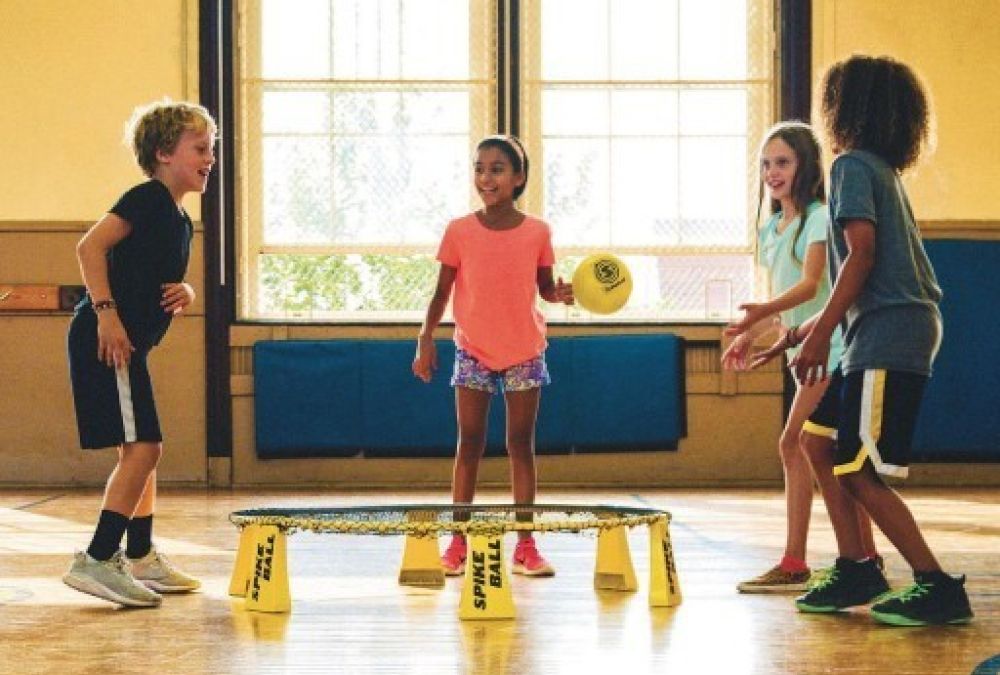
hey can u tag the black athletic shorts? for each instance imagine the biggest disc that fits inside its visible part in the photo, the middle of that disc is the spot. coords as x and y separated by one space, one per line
824 419
874 414
113 406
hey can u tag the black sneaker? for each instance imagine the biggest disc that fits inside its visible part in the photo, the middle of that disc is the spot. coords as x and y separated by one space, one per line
934 598
846 584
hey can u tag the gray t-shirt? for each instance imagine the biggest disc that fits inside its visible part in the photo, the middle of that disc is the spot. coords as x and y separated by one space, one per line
894 322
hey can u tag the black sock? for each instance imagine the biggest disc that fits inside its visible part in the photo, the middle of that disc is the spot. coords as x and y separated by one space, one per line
140 536
108 535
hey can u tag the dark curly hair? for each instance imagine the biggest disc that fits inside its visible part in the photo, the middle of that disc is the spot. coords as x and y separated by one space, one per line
510 146
876 104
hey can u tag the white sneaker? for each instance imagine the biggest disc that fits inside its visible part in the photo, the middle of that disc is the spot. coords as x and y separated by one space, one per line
159 574
110 580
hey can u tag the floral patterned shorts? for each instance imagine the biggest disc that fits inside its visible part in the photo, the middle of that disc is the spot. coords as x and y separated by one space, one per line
469 372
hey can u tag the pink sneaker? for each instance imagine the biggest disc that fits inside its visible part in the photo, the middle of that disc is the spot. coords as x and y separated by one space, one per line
453 560
529 562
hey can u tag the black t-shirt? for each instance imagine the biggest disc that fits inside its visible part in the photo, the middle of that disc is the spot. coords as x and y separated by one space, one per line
155 252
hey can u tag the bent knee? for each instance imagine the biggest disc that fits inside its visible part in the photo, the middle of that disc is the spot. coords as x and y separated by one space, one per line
143 455
789 448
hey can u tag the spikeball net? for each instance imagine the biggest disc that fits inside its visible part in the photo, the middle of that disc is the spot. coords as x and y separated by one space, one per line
432 519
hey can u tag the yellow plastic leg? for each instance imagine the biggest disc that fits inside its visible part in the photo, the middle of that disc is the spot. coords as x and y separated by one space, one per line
664 587
268 591
488 646
486 590
613 570
421 564
243 567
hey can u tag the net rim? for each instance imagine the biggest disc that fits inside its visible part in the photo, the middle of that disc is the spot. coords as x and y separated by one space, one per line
416 522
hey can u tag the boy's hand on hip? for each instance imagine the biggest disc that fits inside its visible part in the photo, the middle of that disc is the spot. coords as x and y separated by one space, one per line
176 297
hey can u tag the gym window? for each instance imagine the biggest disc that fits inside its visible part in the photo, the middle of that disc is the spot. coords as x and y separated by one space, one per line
356 122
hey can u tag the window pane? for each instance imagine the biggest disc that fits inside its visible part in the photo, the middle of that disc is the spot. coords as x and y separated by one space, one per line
642 112
561 112
576 191
306 285
314 287
401 112
713 191
295 112
574 39
390 40
297 177
713 112
398 189
643 39
435 40
644 192
295 44
713 39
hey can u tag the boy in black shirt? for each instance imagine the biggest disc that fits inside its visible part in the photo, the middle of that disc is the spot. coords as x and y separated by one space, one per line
133 262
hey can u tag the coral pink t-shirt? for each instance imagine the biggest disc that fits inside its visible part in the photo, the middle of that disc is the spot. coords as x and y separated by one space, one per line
496 315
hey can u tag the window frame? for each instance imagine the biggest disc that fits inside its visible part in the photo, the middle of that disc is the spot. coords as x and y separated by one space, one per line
509 78
793 91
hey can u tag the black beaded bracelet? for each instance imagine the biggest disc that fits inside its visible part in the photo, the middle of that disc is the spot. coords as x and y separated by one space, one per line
791 339
101 305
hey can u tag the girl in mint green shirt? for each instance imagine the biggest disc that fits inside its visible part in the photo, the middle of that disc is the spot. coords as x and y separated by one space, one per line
792 247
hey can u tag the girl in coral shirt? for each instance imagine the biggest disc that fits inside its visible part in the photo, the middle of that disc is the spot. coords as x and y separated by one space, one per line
498 260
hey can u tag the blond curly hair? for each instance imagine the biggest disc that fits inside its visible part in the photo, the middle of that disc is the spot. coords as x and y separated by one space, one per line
158 126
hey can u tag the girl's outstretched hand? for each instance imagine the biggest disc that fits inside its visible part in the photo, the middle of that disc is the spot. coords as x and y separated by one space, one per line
735 356
564 292
753 312
426 361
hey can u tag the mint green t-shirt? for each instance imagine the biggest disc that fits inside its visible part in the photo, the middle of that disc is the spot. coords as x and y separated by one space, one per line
786 271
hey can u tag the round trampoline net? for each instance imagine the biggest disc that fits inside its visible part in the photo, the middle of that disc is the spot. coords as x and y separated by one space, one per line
433 519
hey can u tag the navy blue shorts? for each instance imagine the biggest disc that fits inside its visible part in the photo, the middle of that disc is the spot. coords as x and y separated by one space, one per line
113 406
872 414
825 419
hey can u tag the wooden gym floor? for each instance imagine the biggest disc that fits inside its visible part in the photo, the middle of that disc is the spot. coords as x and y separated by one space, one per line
349 615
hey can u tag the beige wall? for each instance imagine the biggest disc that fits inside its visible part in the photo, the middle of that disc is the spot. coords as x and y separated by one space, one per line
955 48
73 72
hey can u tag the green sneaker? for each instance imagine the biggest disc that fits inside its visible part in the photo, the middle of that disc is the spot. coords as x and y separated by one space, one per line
819 576
932 599
846 584
110 580
776 580
156 572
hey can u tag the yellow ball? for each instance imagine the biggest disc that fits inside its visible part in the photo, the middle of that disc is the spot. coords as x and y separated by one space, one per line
602 283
